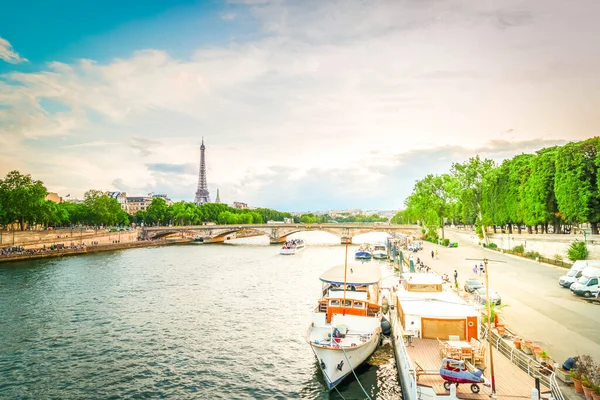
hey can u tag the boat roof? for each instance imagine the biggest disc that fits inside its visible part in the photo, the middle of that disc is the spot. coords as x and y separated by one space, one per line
443 304
356 274
417 278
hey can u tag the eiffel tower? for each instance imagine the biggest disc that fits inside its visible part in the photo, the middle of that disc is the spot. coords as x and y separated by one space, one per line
202 195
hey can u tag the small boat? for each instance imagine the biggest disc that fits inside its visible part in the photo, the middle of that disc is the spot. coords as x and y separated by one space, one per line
346 324
363 253
459 371
380 251
292 247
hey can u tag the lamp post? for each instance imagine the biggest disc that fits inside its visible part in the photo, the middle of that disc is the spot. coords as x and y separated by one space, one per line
489 326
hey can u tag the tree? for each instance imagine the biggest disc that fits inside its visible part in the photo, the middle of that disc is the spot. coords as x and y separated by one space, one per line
103 209
540 201
519 170
469 176
21 198
577 251
156 211
575 183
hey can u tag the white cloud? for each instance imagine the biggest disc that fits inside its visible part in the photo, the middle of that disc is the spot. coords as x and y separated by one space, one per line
324 101
8 54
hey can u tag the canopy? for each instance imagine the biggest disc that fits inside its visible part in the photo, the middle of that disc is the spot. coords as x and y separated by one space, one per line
357 274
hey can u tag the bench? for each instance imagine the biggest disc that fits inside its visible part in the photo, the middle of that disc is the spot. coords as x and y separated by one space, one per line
563 375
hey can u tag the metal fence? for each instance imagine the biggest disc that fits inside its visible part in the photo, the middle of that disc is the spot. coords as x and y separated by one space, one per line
533 368
539 258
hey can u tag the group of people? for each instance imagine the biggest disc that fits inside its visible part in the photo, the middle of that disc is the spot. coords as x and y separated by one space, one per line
478 269
291 244
22 251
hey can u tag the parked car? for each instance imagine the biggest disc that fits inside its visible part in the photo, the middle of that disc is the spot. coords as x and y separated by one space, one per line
473 284
481 296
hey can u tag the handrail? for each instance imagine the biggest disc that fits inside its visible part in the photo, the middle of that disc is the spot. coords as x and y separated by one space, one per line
412 386
527 364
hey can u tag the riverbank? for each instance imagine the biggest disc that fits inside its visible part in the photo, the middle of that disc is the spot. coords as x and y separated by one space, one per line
65 252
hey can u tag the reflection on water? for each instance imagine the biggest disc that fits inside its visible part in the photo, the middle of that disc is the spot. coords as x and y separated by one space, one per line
194 321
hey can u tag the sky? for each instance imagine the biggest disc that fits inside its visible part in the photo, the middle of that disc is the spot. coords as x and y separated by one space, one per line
303 105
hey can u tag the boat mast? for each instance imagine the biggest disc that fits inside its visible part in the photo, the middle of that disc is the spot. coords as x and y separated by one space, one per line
345 271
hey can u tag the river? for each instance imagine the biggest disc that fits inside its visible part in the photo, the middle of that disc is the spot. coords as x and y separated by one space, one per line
198 321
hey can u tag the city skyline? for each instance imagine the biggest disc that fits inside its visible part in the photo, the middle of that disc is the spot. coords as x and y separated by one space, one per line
305 105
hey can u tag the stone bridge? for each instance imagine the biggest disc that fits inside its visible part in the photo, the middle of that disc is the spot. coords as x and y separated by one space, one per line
277 233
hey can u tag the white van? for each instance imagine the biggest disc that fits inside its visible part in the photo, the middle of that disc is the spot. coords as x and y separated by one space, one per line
576 271
587 285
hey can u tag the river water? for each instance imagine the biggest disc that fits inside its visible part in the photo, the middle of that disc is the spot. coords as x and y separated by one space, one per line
183 322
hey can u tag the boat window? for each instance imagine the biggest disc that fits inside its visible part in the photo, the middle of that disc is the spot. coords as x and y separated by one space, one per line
348 303
359 304
334 303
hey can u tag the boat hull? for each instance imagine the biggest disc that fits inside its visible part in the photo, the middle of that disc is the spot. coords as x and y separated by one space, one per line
330 359
362 255
379 254
289 252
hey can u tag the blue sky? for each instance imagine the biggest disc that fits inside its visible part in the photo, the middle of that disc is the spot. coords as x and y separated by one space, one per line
304 105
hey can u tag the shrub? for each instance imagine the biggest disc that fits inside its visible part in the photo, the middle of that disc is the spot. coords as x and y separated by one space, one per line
493 246
532 254
518 249
446 242
577 251
558 257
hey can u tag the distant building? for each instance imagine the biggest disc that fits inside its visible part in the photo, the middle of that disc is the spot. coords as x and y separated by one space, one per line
238 204
218 199
135 204
164 197
54 197
121 197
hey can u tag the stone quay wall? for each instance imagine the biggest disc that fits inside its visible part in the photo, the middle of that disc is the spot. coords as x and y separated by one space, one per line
548 245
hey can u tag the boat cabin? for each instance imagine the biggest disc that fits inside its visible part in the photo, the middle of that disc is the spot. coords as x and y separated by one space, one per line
359 295
431 313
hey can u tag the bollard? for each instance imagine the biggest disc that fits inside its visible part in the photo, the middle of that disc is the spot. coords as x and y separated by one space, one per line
452 391
535 394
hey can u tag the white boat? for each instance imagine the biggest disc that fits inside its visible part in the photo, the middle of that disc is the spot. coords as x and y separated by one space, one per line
346 324
380 251
292 247
431 325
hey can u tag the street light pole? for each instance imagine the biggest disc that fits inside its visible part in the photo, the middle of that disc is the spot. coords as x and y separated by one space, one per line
489 326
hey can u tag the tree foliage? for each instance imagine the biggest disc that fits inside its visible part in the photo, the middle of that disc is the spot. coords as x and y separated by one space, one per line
577 251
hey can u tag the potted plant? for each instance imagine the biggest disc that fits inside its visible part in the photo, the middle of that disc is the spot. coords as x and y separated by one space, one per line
587 388
543 357
517 342
584 368
526 347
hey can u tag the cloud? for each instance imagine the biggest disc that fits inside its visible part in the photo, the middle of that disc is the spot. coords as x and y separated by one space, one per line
230 16
8 54
322 104
173 168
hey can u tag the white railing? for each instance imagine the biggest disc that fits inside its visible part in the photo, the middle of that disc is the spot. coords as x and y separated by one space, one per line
407 374
533 368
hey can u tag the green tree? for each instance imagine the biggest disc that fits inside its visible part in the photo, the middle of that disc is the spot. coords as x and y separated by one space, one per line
470 176
540 201
103 209
21 198
575 183
156 212
577 251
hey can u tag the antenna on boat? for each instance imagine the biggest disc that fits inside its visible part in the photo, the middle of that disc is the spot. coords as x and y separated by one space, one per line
489 319
345 271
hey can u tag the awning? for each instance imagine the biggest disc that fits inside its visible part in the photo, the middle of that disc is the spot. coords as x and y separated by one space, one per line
356 274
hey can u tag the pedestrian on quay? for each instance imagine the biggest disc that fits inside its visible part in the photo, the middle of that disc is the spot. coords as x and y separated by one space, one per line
436 254
481 271
475 269
455 277
432 254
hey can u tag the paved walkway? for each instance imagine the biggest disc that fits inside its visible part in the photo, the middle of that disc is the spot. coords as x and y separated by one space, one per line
539 309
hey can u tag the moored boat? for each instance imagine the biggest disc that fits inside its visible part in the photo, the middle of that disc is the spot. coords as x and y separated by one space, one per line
363 253
292 247
380 251
346 324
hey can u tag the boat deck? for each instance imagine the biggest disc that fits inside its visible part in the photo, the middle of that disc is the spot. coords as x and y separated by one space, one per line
511 381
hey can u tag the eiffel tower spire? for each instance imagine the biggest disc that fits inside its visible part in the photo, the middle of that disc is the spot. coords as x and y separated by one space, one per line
202 195
218 199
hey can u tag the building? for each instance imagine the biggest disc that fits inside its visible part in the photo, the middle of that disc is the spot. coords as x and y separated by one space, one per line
237 204
54 197
164 197
202 195
135 204
218 199
121 197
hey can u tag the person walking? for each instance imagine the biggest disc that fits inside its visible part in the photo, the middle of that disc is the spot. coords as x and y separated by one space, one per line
437 255
475 269
455 277
481 269
432 254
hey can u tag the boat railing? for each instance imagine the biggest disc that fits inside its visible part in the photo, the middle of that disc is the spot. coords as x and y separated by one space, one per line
408 373
533 368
